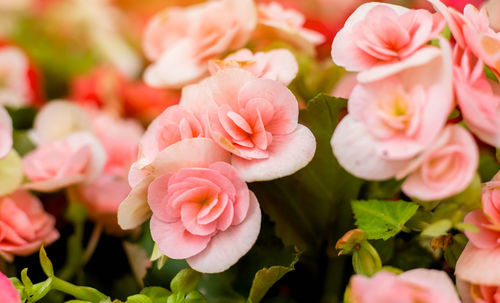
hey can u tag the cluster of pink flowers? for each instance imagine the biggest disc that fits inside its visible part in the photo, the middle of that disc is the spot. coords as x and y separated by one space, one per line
398 124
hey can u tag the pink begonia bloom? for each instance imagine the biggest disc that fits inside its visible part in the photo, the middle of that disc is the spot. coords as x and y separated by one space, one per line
417 285
287 25
493 8
276 64
8 291
15 88
75 159
345 86
57 119
387 37
24 225
477 293
392 120
255 120
478 98
173 125
202 210
5 132
120 139
446 168
181 41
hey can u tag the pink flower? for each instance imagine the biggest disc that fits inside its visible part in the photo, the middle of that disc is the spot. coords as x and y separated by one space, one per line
392 120
77 158
5 133
202 210
287 25
182 40
478 98
24 225
446 168
120 139
381 35
417 285
493 8
15 87
477 293
276 64
8 291
255 120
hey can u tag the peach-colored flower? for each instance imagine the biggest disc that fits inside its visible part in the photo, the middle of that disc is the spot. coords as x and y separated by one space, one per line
383 35
8 291
493 8
446 168
478 98
15 87
254 119
5 132
276 64
417 285
287 24
202 209
77 158
181 41
24 225
392 120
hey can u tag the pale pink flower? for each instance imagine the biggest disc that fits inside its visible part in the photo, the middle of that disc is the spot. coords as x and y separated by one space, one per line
392 120
446 168
181 41
493 8
385 36
417 285
24 225
8 291
202 210
478 293
5 132
478 98
287 25
15 87
254 119
276 64
77 158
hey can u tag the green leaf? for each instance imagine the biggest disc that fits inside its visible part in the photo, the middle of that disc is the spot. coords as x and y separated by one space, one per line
22 142
195 297
156 294
437 228
185 281
488 165
39 290
139 299
382 219
28 285
265 278
11 173
305 205
47 267
217 288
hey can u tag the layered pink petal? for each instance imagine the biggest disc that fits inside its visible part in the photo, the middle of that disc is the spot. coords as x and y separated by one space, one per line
8 291
475 265
5 133
485 238
134 210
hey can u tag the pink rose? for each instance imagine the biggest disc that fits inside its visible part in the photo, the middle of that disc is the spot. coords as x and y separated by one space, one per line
385 36
5 132
392 120
24 225
446 168
255 120
417 285
8 291
478 98
77 158
15 90
287 24
276 64
181 41
202 210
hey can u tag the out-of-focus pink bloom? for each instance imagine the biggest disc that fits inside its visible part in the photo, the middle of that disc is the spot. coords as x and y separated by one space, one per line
446 168
345 86
288 25
383 35
460 4
24 225
205 215
277 64
493 8
477 293
392 120
15 87
417 285
77 158
8 291
255 120
5 132
478 98
120 139
181 41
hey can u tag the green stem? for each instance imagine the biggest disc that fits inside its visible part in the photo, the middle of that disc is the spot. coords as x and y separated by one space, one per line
92 244
80 293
